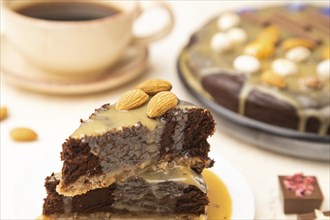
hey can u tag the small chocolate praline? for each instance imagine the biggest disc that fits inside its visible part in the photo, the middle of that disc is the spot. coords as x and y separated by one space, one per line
304 204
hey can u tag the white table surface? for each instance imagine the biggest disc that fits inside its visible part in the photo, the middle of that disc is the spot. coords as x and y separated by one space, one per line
54 118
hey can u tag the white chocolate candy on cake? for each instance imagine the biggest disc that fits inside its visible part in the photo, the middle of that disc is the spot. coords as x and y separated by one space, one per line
284 67
221 42
323 69
298 54
228 20
246 64
237 35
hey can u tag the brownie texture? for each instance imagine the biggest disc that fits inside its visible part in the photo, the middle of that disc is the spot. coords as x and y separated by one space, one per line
130 149
53 203
78 160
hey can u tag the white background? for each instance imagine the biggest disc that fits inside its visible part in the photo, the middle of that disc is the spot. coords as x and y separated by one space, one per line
54 118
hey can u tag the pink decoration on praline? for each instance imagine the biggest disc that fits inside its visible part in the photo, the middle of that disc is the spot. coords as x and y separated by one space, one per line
301 185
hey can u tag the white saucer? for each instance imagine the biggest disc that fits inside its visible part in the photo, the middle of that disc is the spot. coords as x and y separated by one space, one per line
19 72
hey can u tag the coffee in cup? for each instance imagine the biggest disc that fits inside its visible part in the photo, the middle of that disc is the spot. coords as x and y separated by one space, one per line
76 38
68 11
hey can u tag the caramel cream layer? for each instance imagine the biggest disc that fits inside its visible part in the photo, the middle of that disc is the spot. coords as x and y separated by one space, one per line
180 174
110 118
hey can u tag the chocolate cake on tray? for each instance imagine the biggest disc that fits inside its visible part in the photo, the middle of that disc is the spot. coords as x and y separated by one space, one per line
271 65
139 158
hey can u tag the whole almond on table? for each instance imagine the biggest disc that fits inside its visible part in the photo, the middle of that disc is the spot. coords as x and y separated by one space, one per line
132 99
161 103
3 113
23 134
154 86
273 79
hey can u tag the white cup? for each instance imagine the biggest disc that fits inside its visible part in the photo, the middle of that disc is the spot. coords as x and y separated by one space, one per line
78 48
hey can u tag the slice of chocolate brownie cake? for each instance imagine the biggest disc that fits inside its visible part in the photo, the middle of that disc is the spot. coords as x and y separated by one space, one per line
113 143
144 154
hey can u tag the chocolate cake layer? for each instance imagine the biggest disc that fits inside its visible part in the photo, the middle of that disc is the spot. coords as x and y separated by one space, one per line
178 190
226 90
111 144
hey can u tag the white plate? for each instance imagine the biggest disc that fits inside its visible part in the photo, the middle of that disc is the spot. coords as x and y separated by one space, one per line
29 194
239 190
